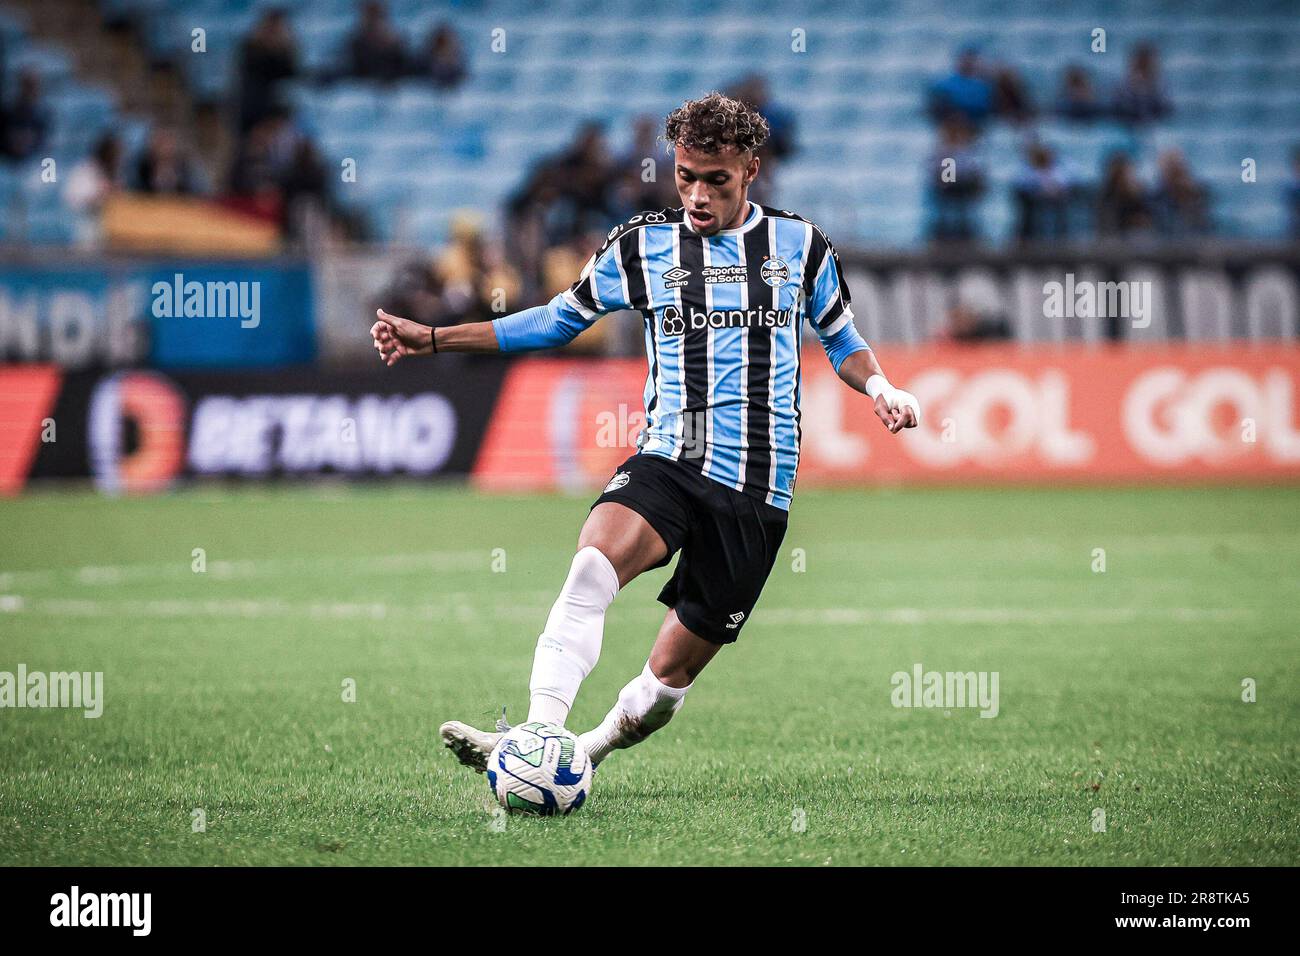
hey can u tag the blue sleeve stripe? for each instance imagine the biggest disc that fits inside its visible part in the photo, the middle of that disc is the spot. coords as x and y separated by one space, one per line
541 327
611 291
842 344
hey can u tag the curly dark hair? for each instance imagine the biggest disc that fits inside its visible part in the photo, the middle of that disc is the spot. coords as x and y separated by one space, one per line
714 123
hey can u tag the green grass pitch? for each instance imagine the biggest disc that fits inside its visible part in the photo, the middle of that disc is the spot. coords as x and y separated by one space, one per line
1118 691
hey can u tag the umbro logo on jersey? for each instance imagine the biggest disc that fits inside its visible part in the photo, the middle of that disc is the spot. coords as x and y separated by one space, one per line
735 620
676 278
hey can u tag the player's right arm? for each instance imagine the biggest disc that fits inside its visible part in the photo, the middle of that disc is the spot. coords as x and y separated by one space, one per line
542 327
599 290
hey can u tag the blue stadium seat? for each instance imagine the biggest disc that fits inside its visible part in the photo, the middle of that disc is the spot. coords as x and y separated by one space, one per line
857 94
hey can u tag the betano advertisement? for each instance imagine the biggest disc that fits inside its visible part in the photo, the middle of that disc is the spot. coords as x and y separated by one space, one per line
141 431
992 414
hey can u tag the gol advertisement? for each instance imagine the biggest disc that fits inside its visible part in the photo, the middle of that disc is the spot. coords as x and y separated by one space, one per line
991 414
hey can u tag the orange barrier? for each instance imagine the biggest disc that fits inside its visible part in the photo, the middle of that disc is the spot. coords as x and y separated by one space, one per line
27 397
991 414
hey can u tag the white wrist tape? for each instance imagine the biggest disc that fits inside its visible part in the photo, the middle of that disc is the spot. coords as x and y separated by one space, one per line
895 398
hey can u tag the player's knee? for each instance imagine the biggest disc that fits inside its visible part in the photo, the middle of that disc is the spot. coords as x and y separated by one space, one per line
594 575
608 547
624 538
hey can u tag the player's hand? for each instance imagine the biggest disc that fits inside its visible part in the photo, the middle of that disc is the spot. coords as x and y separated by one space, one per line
898 409
396 337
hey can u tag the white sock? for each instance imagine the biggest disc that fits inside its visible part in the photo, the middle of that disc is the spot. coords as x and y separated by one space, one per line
644 705
570 644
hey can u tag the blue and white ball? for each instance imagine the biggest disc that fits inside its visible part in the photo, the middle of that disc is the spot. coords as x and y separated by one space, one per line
539 768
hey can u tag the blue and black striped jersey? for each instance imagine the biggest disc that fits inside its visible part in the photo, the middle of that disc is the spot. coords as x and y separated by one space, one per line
722 316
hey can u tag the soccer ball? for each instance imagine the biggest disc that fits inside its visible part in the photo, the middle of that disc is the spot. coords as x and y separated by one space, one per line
539 768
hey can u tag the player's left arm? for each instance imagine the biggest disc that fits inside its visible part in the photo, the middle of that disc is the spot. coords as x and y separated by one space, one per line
896 408
831 315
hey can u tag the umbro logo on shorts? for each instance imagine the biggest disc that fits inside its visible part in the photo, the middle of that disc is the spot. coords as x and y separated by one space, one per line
735 620
618 481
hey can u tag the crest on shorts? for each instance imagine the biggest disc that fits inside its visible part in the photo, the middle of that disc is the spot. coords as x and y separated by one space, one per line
618 481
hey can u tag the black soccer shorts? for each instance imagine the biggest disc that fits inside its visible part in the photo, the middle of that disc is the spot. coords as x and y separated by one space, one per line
728 540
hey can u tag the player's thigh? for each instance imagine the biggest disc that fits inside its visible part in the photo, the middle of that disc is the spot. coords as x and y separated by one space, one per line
725 564
624 537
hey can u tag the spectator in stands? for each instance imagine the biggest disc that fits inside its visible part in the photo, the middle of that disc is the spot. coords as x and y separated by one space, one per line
164 168
477 283
564 196
967 324
464 282
268 56
1122 207
559 265
417 289
24 123
1140 96
1011 99
957 182
1179 204
375 49
780 146
571 193
1043 189
1293 194
966 91
442 61
1077 98
635 193
279 175
255 175
305 189
90 184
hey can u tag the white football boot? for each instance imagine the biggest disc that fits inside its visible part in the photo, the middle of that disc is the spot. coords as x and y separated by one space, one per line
471 747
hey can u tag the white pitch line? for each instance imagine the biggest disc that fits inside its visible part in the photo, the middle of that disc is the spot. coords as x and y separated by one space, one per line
221 570
993 615
464 608
1030 546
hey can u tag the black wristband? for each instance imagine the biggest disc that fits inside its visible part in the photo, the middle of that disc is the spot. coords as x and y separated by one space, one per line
433 340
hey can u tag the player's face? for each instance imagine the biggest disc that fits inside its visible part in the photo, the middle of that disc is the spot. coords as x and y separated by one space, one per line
714 187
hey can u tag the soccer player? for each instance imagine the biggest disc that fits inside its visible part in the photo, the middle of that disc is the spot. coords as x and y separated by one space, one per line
723 286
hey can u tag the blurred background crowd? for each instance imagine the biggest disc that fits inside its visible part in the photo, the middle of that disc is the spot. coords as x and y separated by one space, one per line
497 143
